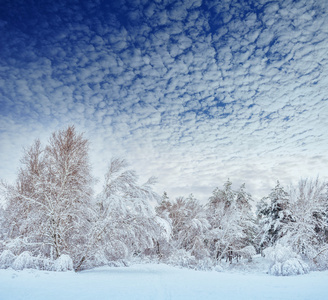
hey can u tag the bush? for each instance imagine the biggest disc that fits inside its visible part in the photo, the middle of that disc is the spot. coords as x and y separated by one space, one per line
182 258
247 252
294 266
285 262
25 261
6 259
185 259
63 263
44 263
218 268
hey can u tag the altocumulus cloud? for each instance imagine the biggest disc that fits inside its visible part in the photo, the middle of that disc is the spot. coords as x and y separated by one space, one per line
193 92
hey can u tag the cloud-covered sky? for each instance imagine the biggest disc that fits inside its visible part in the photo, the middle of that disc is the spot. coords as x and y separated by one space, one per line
193 92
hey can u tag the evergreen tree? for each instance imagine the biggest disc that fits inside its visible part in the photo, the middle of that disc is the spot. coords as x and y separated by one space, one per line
273 212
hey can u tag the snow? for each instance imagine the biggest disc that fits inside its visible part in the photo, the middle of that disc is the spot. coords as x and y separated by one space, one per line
159 281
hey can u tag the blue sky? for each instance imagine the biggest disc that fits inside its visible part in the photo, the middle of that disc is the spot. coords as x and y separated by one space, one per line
192 92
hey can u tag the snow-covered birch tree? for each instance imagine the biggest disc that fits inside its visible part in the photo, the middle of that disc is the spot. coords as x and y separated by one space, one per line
48 209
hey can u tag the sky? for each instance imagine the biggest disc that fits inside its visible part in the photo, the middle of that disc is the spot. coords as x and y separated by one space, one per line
192 92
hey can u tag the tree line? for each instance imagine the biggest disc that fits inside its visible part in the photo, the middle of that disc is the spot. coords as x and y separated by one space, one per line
52 217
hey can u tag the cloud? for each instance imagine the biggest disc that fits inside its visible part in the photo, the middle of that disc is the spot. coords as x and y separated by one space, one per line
192 92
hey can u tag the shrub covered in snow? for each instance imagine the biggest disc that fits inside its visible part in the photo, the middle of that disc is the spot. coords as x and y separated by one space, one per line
182 258
218 268
294 266
44 263
6 259
247 252
285 262
25 261
278 253
204 264
63 263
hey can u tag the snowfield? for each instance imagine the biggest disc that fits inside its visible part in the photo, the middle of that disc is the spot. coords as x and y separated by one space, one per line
159 281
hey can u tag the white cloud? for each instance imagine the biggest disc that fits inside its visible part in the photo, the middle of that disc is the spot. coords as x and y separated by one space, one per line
183 98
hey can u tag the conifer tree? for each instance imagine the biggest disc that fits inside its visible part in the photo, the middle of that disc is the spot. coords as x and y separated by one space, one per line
273 212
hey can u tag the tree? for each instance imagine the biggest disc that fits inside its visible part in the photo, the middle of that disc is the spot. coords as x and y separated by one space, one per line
306 233
126 223
2 213
232 225
189 225
273 212
163 244
164 208
49 209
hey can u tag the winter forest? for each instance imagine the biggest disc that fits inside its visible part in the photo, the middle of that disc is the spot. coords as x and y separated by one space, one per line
53 220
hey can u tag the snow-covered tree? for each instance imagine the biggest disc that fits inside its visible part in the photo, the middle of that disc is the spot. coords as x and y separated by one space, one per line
164 246
189 226
126 223
2 229
48 210
164 208
187 244
232 223
273 212
306 233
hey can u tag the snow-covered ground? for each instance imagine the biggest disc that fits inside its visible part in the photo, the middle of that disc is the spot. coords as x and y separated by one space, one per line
159 281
